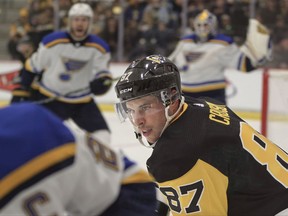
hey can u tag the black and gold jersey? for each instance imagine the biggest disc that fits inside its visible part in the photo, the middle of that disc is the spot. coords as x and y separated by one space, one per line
211 162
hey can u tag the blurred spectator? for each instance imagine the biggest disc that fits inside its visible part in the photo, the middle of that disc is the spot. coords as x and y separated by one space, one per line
280 53
220 8
99 17
110 34
41 20
142 17
156 11
157 40
132 37
268 12
25 47
18 30
196 6
239 21
226 26
64 6
134 11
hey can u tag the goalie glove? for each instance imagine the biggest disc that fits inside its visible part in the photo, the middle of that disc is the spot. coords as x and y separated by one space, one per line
258 44
101 84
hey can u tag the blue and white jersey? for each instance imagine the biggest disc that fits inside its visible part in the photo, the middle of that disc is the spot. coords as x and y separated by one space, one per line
68 65
202 65
47 169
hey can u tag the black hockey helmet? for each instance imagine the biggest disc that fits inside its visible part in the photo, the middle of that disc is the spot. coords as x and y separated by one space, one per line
148 75
153 74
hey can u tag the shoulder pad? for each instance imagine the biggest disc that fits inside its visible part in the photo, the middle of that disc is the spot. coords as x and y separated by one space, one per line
55 38
97 42
221 38
191 37
27 131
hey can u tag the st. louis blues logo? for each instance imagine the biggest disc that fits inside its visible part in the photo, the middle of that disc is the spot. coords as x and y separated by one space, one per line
71 66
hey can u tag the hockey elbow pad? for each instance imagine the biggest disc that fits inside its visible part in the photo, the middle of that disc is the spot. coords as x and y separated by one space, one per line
101 85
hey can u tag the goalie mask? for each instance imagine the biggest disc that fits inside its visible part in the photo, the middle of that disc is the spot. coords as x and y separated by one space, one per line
80 10
205 25
155 76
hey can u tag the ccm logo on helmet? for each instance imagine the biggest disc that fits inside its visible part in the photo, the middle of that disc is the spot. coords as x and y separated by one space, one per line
126 90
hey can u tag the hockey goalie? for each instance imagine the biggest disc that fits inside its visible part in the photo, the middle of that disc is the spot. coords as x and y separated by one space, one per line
204 55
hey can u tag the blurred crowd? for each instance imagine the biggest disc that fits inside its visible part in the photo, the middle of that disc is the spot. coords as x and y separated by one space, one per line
151 26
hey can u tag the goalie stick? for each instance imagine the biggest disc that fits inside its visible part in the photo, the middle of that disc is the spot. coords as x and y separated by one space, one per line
48 100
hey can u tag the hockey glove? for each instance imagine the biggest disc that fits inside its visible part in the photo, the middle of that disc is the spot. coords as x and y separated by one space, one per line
20 94
101 85
258 44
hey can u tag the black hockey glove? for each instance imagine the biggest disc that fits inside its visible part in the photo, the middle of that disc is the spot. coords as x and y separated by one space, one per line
101 85
20 94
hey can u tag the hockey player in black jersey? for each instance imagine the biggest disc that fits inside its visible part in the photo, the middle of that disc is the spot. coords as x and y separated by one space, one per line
206 159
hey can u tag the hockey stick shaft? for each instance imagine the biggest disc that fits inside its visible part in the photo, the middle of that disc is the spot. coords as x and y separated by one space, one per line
50 99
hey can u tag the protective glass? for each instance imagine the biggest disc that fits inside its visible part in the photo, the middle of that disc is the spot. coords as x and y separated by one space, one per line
139 107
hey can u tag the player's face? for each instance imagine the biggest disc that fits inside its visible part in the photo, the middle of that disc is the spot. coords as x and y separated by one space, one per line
202 29
79 26
148 115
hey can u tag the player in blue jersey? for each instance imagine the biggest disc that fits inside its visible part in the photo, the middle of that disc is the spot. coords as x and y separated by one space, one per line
49 169
73 65
203 56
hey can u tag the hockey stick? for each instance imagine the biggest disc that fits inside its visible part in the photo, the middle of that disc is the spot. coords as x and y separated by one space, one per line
48 100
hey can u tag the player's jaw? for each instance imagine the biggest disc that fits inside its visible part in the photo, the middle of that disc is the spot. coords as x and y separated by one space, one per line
79 28
79 32
152 128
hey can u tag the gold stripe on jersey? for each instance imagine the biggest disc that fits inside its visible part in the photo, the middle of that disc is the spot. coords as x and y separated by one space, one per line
28 66
186 199
188 40
21 93
219 42
243 64
50 94
139 177
35 166
206 87
97 46
55 42
185 106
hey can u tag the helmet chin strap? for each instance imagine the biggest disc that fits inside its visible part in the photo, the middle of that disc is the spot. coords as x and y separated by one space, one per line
168 120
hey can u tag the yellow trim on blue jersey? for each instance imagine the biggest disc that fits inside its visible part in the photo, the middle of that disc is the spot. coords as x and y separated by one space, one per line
139 177
206 87
35 166
58 41
50 94
188 40
28 66
97 46
219 42
20 93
